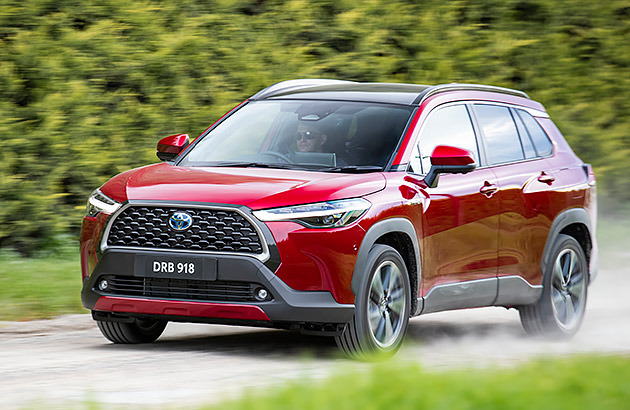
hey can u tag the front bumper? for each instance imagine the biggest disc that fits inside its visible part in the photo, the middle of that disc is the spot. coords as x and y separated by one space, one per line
287 305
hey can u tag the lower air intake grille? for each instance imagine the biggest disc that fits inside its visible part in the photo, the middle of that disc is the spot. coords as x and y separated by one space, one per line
215 291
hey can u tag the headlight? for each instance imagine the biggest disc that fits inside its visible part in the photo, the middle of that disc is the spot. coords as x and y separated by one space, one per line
330 214
99 202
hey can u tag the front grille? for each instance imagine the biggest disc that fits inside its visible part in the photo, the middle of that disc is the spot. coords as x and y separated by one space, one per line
215 291
214 230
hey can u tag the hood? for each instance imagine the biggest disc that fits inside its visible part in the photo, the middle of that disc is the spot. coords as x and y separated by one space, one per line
255 188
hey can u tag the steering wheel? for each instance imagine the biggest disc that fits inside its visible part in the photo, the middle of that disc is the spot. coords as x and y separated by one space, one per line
278 155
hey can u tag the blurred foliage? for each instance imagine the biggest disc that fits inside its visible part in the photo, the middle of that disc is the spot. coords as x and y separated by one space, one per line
87 87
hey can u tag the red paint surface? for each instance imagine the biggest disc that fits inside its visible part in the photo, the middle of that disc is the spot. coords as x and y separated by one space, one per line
178 308
528 207
445 155
243 186
460 230
89 242
173 144
318 259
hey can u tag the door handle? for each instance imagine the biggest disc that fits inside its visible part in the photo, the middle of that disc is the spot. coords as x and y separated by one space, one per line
488 189
546 178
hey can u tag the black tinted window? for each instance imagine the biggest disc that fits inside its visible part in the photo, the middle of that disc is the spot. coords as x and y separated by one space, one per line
500 134
538 135
528 146
447 126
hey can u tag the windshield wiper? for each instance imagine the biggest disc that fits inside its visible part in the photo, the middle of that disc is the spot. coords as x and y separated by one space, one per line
353 168
305 167
253 165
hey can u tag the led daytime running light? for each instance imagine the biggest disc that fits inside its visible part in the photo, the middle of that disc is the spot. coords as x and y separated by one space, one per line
318 215
99 202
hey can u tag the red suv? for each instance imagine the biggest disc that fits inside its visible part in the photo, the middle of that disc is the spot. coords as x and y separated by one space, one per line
343 209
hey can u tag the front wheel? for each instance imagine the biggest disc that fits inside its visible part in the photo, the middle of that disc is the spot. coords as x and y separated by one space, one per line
560 309
382 306
138 331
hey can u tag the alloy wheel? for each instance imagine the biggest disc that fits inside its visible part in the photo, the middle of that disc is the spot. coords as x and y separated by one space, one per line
386 304
568 289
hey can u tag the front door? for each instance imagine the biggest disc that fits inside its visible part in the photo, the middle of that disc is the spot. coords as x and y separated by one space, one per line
460 220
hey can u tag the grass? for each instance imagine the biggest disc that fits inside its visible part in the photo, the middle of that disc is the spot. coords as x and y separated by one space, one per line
572 384
41 287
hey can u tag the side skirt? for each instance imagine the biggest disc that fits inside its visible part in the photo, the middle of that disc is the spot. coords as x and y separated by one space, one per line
516 291
503 291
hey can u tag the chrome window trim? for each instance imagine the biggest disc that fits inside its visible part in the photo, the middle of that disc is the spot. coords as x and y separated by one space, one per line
534 112
263 257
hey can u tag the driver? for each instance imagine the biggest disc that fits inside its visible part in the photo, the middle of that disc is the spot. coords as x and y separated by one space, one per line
309 137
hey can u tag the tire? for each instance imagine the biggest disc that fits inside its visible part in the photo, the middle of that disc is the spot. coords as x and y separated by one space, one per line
382 307
138 331
560 309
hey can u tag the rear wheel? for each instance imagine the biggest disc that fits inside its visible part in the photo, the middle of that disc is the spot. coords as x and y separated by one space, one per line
382 306
560 309
138 331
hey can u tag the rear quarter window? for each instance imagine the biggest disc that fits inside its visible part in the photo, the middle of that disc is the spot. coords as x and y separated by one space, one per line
528 146
539 137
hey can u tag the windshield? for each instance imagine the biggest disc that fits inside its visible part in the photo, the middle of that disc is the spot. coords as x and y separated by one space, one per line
317 135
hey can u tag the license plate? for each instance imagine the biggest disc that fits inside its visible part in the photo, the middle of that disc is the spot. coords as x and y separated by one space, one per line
176 267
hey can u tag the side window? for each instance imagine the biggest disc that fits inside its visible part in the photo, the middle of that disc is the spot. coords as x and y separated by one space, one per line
500 134
414 162
528 146
447 126
541 140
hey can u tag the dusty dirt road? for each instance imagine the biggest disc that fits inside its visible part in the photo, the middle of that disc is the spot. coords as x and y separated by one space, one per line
65 362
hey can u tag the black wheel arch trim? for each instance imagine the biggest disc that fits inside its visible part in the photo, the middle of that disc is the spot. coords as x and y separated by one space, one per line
563 220
376 231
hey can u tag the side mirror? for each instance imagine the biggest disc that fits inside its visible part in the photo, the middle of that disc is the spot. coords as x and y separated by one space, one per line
449 160
170 147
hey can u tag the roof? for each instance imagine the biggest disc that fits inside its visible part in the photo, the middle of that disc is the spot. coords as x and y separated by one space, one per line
408 94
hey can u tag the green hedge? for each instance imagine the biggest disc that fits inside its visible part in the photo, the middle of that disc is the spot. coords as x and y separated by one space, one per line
88 87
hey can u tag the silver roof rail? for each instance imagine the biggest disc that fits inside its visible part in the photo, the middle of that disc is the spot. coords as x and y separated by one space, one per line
284 86
441 88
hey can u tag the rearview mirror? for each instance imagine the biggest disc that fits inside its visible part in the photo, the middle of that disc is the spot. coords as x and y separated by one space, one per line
170 147
449 160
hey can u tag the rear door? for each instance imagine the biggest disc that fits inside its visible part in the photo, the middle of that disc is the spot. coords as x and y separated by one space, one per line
525 182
